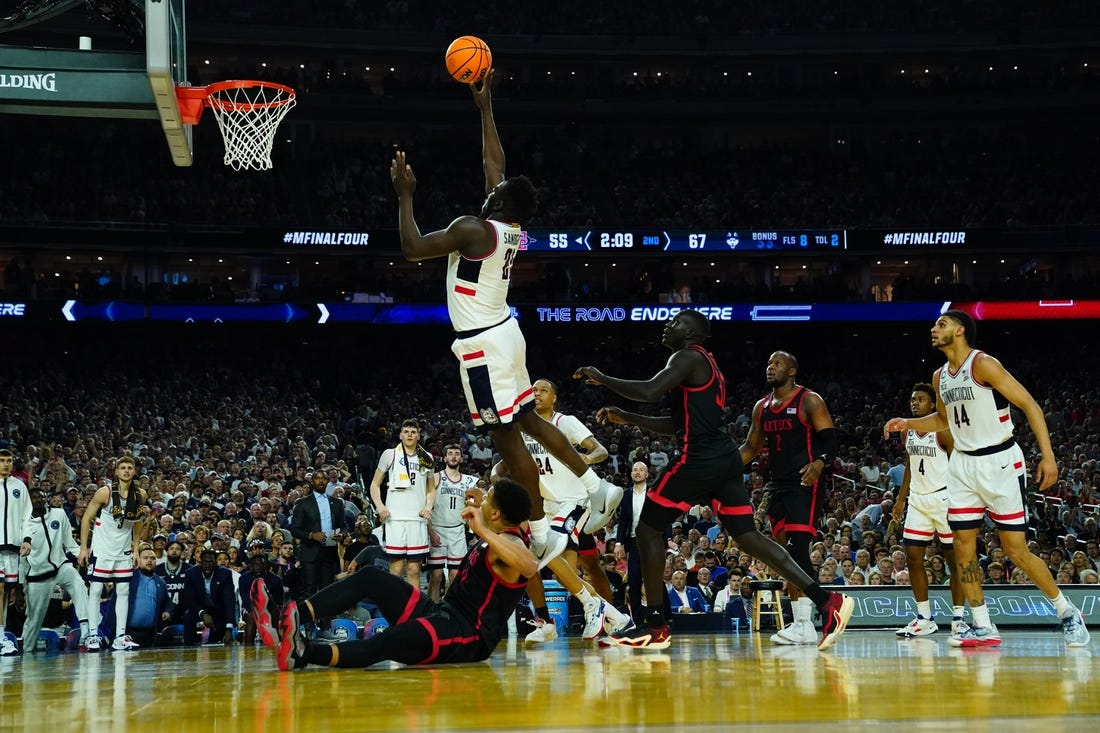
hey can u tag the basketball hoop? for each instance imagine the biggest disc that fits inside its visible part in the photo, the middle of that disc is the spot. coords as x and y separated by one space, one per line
248 113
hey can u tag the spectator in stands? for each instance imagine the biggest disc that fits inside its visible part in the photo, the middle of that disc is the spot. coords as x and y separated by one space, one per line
149 608
209 598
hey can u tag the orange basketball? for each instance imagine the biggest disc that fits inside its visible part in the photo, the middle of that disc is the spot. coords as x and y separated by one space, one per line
468 59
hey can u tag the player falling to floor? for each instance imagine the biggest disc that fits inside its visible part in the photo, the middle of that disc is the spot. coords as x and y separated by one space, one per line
118 512
566 503
464 627
446 530
986 472
922 500
796 425
489 346
708 471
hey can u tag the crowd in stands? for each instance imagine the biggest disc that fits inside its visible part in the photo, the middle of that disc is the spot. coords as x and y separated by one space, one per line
227 428
960 178
649 17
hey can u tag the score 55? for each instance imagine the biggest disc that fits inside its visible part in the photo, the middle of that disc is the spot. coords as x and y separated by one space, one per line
559 241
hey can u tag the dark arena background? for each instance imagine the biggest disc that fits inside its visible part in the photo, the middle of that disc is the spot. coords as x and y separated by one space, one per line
821 178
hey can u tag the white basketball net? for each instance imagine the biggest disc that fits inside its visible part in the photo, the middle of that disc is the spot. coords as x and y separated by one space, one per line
248 118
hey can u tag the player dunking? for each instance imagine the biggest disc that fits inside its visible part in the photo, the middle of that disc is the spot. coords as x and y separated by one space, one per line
465 627
708 471
801 440
118 512
488 344
987 472
924 491
448 533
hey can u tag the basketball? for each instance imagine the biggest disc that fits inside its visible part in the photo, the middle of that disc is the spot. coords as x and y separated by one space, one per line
468 59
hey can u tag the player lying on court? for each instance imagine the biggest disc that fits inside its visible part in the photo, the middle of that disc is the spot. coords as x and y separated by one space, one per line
464 627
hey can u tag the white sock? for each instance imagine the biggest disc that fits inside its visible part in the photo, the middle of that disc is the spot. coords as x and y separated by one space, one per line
981 616
540 528
84 629
95 595
958 611
1 630
122 607
584 596
590 480
924 609
1062 604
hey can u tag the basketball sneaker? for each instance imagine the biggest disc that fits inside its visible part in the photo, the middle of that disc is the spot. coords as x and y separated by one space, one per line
958 625
292 645
544 631
92 643
1074 630
834 618
800 632
654 635
920 626
601 507
7 648
124 643
975 636
593 618
261 613
554 545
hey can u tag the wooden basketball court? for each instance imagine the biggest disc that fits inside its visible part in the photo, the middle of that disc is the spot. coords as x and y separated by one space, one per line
868 681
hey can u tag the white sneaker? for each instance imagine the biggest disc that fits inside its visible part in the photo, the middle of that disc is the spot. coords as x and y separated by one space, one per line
1074 630
620 628
544 631
544 552
7 648
958 626
124 644
976 636
92 643
593 618
601 507
920 626
800 632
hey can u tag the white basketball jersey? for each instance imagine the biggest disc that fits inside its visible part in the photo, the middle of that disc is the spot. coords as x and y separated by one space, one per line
557 483
977 414
408 487
477 290
927 463
450 499
113 534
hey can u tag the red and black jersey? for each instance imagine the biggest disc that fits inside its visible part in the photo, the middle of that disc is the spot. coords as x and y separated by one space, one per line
697 414
481 597
789 437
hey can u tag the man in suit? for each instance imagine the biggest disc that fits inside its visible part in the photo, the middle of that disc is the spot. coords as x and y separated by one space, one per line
629 511
318 524
208 596
683 598
703 583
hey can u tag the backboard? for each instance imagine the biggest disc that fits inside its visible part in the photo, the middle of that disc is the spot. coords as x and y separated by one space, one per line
89 83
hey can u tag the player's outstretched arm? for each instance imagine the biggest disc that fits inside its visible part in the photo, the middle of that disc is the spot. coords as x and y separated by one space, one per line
675 373
492 152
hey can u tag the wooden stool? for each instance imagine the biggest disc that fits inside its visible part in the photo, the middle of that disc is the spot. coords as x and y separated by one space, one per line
766 602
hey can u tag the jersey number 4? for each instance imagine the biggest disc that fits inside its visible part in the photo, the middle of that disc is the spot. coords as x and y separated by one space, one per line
960 417
920 468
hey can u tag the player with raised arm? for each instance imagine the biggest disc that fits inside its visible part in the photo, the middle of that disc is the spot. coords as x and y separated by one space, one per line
708 471
922 501
987 472
489 345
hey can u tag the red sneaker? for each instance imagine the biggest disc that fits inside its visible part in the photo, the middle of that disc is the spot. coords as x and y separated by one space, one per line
261 613
641 637
835 614
292 647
